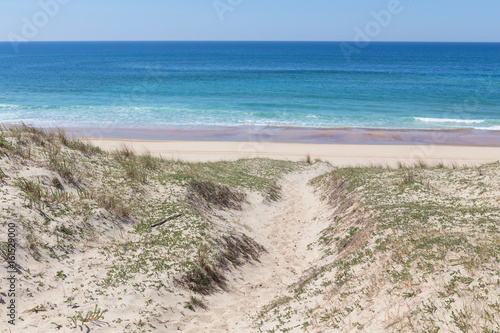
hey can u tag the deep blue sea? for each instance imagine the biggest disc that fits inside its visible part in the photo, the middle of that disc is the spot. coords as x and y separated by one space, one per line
303 84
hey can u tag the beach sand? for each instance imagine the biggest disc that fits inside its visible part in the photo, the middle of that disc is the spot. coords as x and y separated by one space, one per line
336 154
338 146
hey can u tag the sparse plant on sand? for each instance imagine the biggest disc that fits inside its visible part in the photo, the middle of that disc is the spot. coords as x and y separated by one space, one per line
4 144
91 316
273 193
3 176
409 177
195 303
32 190
70 301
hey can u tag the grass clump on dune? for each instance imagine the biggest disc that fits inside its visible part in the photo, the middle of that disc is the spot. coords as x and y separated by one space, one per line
32 190
3 177
210 195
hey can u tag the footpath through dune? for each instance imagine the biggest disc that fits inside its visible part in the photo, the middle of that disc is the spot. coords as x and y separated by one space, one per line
285 228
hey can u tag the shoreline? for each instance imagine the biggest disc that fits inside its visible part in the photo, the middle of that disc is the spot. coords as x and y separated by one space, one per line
340 147
273 134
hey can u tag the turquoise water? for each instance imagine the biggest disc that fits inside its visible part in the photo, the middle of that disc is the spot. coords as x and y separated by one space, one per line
155 84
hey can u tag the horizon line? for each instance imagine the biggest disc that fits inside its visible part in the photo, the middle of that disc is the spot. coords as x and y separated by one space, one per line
249 41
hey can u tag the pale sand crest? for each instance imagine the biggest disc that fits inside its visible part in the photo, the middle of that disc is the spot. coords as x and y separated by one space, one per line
336 154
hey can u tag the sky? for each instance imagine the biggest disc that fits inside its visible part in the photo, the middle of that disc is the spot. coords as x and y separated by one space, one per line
287 20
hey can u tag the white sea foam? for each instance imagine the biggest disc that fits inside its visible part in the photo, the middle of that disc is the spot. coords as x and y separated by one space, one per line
456 121
492 128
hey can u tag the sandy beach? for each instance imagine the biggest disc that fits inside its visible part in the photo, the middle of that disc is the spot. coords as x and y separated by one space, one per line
336 154
338 146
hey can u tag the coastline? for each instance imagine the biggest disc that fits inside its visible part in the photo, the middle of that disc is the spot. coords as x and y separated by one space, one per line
340 147
273 134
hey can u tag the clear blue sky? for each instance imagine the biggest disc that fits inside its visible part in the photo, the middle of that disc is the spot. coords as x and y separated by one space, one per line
330 20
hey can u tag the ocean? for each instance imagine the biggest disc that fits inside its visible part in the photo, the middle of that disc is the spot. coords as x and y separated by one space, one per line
292 84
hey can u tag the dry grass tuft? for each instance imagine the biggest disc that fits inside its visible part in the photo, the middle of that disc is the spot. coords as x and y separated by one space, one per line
134 171
238 251
74 144
33 191
202 278
409 177
3 176
112 204
205 277
150 162
209 195
4 144
273 194
57 184
123 152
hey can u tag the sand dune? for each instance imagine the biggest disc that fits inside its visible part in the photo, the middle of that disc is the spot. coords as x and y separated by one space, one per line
368 249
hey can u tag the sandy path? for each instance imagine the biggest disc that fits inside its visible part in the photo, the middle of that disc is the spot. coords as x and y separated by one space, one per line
285 229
